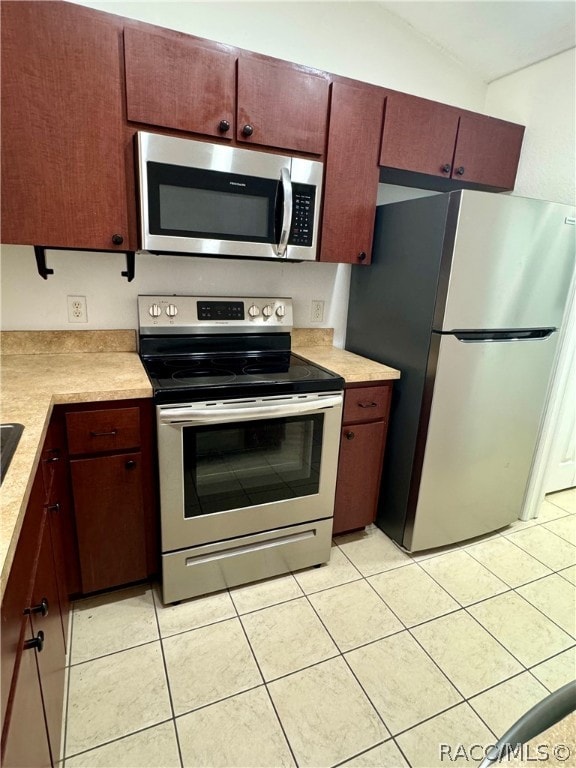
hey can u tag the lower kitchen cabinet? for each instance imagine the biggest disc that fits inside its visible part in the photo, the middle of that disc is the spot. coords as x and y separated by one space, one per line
33 651
109 520
113 490
363 439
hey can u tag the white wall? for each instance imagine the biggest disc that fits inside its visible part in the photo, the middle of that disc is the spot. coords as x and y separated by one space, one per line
543 98
357 39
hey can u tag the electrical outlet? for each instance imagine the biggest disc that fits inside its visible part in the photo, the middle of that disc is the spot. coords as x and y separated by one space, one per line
77 312
317 311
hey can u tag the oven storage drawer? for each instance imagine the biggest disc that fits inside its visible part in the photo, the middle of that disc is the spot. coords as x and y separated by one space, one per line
213 567
103 431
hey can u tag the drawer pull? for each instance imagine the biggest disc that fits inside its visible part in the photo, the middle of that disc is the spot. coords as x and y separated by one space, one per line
112 433
368 405
41 608
350 435
36 642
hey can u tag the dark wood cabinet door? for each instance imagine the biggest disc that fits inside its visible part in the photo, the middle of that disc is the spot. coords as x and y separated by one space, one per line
487 151
173 82
51 660
359 472
110 520
418 135
18 592
285 107
25 740
351 174
63 172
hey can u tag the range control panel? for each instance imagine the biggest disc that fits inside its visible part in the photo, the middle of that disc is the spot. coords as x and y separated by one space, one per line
215 314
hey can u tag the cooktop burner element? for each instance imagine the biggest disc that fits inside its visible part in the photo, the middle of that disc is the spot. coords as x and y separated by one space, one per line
214 347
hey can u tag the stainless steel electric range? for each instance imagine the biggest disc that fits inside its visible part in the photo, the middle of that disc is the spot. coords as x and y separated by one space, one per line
248 437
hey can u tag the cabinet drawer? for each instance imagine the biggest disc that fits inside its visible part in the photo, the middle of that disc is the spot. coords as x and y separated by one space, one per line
103 431
366 403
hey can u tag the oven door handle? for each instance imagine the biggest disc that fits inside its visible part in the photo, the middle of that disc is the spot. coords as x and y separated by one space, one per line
214 415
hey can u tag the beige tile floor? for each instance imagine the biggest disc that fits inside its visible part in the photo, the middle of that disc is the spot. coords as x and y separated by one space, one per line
372 660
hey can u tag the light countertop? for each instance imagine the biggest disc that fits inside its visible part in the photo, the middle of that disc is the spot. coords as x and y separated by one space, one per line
31 385
47 368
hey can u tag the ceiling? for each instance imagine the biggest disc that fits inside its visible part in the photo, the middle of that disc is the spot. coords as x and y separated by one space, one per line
493 38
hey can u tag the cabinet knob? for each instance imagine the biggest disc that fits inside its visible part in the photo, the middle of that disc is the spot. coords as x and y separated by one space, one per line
446 168
223 126
130 464
361 255
36 642
117 239
248 130
53 507
350 435
41 608
367 405
460 170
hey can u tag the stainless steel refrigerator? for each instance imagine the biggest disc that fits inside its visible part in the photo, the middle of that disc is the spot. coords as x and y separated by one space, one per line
465 296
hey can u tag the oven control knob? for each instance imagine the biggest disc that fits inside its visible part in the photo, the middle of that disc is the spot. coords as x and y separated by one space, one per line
155 310
253 311
267 311
171 310
281 310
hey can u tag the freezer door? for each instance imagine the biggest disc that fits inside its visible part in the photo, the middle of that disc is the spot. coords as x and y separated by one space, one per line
510 264
485 414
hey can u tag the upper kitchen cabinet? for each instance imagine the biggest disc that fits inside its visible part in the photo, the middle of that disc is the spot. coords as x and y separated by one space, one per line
173 82
430 138
281 106
351 173
487 151
63 171
418 135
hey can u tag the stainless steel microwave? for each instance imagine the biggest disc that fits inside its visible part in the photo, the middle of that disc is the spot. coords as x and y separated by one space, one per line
215 200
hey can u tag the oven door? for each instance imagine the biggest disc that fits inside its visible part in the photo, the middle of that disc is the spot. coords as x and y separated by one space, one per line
234 468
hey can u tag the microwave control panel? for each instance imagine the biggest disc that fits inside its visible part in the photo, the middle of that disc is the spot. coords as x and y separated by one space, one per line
303 198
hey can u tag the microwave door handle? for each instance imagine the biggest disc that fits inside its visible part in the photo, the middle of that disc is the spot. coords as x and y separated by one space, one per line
286 182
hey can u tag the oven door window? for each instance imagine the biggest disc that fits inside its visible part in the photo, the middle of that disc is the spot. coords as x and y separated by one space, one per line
192 202
233 466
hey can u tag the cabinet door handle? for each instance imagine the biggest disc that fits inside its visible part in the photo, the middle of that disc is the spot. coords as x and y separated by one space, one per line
446 168
362 256
117 239
36 642
460 170
130 464
51 460
112 433
350 435
53 507
41 608
367 405
248 130
224 126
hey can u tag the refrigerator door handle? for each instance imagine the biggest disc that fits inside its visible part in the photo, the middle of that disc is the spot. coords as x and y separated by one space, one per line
538 334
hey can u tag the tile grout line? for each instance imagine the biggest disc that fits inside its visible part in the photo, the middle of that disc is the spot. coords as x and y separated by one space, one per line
120 738
64 750
152 590
345 660
280 723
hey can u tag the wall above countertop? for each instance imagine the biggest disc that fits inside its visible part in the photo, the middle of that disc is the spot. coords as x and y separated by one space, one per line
30 303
